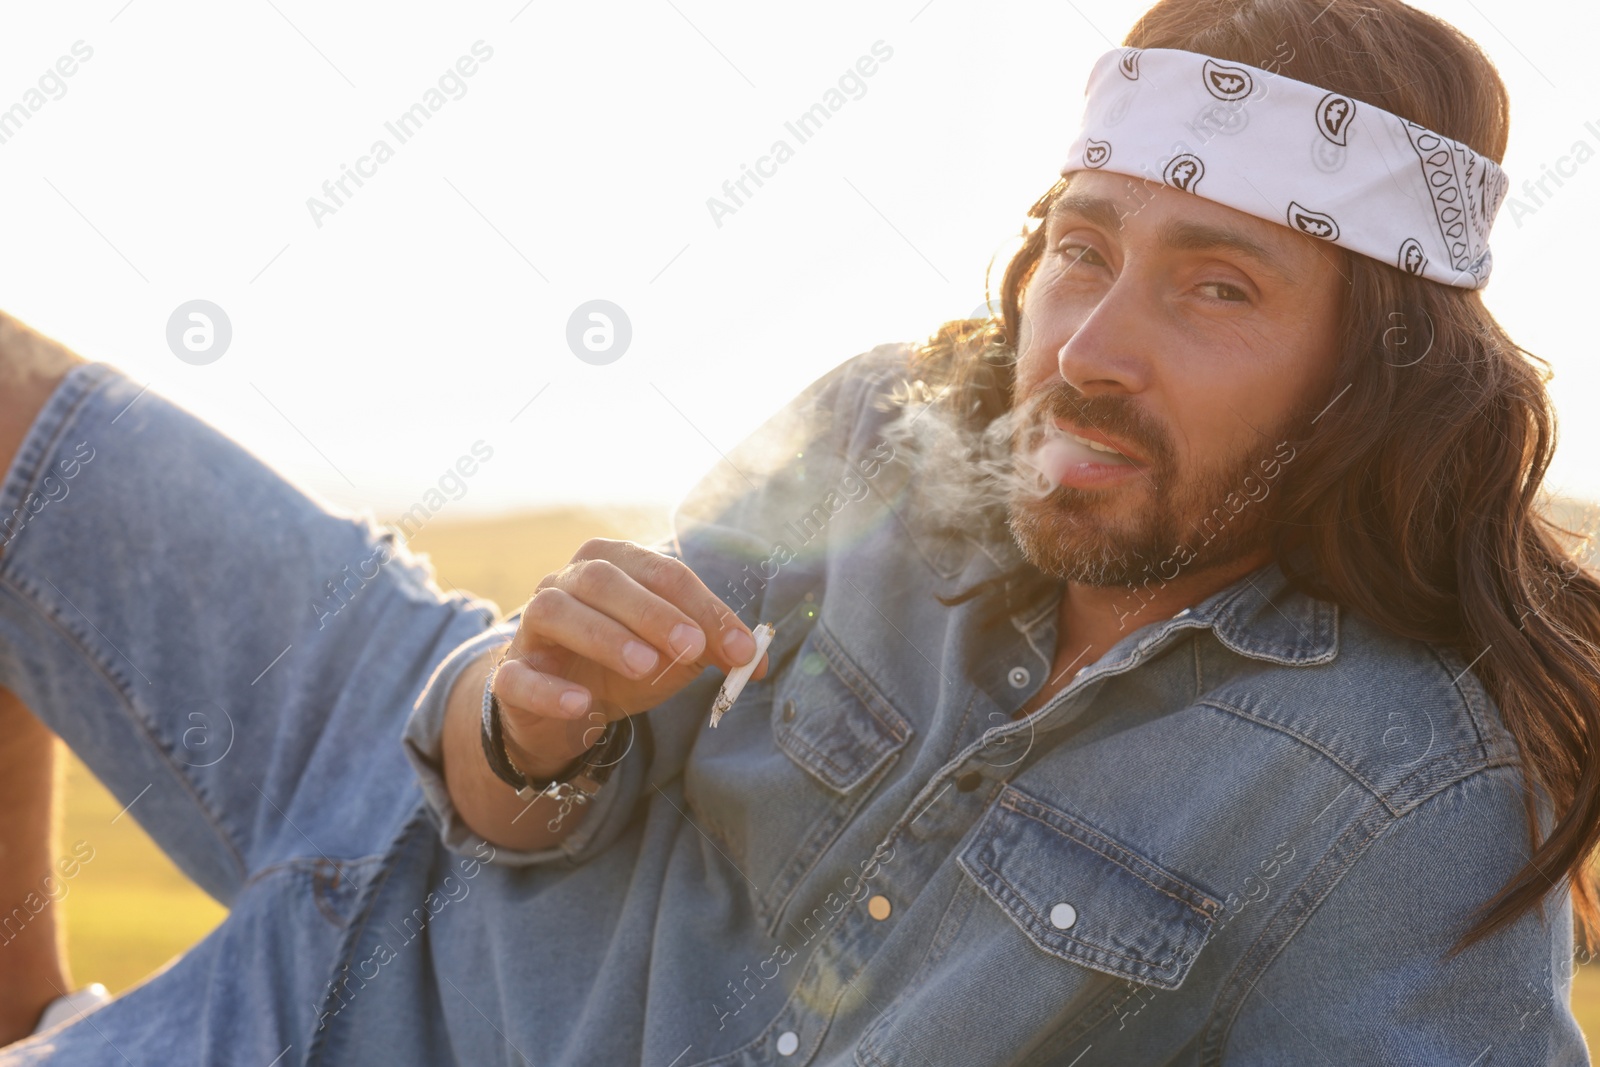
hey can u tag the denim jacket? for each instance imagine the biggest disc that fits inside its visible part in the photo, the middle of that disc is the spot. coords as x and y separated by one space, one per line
1244 836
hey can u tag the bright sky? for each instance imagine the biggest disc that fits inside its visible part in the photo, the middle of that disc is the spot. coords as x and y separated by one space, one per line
374 344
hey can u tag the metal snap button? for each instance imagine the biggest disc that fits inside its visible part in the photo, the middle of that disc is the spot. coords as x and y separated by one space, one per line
1063 915
878 907
969 781
788 1042
1018 677
788 710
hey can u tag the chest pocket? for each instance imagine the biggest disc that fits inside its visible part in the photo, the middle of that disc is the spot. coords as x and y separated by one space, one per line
807 746
1079 895
831 720
1051 918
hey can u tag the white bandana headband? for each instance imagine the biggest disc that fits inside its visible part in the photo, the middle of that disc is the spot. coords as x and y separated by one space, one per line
1295 154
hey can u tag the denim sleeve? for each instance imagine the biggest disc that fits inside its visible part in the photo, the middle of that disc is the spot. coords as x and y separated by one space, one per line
1364 979
725 524
218 647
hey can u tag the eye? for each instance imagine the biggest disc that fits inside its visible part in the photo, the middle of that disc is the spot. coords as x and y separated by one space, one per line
1226 293
1077 253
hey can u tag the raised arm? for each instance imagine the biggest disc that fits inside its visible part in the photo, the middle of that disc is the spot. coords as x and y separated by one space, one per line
33 969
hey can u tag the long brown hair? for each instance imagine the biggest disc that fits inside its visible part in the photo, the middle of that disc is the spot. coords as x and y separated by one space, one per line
1418 498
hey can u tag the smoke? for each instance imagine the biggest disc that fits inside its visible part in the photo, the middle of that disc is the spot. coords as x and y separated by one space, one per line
1014 460
959 472
999 485
965 477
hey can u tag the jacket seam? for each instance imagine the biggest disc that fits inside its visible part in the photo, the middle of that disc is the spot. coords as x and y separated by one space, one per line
1470 699
945 934
308 862
960 732
1440 772
63 422
25 595
811 851
1214 1040
1262 953
357 928
1448 769
1311 743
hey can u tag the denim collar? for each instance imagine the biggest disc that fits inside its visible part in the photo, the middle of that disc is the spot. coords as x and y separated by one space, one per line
1260 616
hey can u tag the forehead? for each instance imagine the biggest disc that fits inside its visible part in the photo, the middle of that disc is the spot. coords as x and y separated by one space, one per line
1138 207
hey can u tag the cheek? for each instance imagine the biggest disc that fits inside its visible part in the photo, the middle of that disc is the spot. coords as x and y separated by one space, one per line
1223 407
1041 329
1024 338
1035 369
1030 362
1225 395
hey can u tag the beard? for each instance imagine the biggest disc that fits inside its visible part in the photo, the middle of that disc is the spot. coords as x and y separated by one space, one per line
1096 537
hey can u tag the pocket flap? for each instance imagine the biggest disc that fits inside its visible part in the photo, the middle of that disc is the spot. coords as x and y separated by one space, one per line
829 717
1082 896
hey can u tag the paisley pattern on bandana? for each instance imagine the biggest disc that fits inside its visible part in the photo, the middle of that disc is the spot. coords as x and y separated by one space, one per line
1319 162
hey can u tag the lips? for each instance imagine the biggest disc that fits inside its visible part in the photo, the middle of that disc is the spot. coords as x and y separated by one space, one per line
1105 440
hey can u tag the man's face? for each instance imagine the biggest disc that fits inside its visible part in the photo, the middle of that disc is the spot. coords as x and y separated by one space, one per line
1193 337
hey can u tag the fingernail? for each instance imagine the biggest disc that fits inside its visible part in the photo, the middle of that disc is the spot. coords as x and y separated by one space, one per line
739 646
573 701
640 657
684 638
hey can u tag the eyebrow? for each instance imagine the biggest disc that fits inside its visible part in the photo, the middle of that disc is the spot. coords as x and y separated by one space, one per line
1178 234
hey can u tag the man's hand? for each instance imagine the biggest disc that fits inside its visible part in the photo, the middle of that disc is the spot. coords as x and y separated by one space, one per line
616 631
622 628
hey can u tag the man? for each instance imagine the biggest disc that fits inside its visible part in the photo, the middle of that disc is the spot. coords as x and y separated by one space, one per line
1122 706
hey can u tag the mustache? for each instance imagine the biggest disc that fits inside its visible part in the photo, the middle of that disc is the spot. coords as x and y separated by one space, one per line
968 473
1115 416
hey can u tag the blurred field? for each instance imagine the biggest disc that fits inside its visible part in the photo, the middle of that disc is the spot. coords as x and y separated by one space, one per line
504 558
130 911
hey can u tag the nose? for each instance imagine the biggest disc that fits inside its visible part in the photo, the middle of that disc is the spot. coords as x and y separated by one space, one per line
1109 350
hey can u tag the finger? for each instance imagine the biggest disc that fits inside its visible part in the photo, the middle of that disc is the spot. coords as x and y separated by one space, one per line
729 642
536 719
557 615
757 675
524 690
